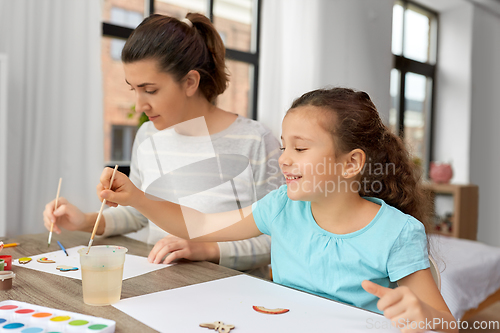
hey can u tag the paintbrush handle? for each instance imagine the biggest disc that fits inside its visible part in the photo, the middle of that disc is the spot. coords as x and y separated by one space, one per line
55 207
100 211
98 219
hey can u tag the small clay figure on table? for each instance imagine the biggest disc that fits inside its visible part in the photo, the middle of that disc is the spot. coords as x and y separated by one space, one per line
218 326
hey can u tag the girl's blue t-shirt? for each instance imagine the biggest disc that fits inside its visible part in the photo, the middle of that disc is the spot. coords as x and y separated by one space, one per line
307 257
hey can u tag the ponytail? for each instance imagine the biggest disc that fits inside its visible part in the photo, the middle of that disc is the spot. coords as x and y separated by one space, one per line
215 46
389 172
400 182
180 47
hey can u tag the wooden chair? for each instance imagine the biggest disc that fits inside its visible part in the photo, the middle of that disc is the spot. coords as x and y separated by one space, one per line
435 272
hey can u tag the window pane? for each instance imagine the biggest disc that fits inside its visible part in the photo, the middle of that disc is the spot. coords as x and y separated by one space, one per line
179 8
117 139
236 98
397 29
116 48
118 99
127 13
395 96
416 36
234 21
122 138
417 115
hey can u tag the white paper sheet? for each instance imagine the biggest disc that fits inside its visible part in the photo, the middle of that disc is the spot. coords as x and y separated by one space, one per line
230 300
134 265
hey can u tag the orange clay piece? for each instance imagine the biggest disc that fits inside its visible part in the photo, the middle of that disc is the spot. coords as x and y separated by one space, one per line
262 309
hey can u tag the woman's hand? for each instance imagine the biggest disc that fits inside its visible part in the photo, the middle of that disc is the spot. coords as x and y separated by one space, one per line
123 191
66 215
402 307
181 248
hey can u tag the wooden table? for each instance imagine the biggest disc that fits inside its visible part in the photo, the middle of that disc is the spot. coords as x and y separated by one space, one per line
64 293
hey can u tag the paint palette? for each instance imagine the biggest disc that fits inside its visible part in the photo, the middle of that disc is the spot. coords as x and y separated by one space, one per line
29 318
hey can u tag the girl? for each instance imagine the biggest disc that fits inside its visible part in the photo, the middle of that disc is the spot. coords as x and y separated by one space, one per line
176 69
346 225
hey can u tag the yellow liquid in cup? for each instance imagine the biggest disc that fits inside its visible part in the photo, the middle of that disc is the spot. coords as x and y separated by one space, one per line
102 286
102 272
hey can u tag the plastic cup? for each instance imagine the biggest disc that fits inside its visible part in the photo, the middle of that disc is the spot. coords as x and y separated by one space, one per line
102 274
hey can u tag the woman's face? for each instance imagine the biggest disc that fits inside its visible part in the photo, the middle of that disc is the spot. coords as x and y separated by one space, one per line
157 94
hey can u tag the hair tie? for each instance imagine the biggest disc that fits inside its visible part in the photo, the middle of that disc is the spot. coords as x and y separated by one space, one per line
188 22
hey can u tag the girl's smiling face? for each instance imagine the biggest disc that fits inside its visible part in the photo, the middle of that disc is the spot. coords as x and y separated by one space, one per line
308 161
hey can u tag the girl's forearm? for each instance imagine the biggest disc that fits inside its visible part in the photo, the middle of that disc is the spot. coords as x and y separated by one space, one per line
167 215
216 227
443 322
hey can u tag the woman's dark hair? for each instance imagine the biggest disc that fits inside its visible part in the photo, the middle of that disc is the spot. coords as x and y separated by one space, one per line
179 48
353 121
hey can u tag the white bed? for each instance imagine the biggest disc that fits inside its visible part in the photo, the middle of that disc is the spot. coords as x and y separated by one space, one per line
470 274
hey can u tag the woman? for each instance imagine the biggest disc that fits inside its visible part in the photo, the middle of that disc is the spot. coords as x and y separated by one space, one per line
176 69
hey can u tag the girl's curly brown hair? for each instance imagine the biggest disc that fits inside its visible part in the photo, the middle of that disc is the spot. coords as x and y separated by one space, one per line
353 121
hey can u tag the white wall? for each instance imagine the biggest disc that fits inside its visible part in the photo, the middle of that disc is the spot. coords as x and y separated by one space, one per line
307 45
485 122
453 86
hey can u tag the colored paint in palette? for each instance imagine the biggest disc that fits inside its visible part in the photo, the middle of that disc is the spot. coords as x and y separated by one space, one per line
21 317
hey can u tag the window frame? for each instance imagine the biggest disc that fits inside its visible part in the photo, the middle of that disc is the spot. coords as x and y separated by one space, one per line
405 65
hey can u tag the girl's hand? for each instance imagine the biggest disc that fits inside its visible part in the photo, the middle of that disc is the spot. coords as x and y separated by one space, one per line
405 310
181 248
123 191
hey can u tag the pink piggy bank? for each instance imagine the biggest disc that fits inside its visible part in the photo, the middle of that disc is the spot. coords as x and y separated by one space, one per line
441 172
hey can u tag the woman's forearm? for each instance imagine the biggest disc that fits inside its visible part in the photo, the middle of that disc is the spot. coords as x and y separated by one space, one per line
90 220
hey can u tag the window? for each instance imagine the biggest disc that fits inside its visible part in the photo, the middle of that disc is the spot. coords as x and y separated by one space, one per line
126 18
238 24
122 138
414 45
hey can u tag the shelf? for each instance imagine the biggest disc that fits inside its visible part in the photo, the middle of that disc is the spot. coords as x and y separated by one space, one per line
463 219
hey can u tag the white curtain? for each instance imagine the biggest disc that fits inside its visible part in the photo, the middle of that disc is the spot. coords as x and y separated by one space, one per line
54 117
307 45
3 142
288 58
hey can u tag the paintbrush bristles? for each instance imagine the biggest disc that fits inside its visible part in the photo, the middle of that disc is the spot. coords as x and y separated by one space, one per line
100 211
